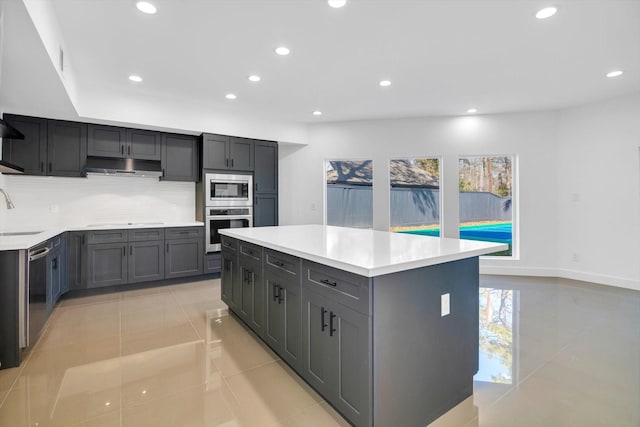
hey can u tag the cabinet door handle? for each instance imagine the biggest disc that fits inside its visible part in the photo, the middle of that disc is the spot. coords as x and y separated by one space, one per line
131 250
280 294
50 167
226 162
231 162
129 150
41 166
278 263
331 329
124 251
55 264
327 282
167 247
255 186
275 292
122 149
83 240
322 312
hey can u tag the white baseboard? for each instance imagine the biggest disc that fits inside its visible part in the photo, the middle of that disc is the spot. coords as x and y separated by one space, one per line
602 279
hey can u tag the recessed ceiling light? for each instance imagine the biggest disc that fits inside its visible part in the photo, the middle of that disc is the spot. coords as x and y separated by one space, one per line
385 83
135 78
255 78
547 12
230 96
472 110
615 73
146 7
282 51
337 3
317 113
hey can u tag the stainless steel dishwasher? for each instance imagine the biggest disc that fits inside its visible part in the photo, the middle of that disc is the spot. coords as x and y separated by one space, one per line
36 311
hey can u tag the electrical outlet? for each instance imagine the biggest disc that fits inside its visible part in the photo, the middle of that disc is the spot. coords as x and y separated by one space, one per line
55 208
313 206
575 197
445 305
575 257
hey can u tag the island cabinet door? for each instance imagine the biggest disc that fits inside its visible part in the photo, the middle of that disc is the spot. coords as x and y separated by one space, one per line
253 296
316 344
229 273
282 323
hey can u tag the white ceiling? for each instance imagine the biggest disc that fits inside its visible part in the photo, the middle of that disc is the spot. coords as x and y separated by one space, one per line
442 57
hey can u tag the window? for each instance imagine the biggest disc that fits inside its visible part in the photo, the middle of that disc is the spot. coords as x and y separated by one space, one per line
486 200
349 193
415 196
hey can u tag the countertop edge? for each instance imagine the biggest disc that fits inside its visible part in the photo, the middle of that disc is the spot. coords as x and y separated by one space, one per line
364 271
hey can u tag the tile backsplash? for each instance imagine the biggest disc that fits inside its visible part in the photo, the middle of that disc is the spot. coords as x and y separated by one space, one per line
55 201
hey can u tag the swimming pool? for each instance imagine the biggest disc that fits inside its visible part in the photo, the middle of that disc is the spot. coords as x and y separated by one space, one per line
497 232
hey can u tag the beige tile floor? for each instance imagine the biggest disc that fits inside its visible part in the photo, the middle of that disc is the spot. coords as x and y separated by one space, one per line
553 353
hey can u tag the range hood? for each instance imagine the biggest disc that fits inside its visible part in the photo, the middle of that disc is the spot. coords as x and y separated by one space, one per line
123 167
8 131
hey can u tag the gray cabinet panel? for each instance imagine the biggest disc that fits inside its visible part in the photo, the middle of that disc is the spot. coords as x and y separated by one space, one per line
180 158
266 167
316 346
106 236
212 263
77 260
241 154
184 232
143 144
215 151
229 276
347 288
145 234
29 153
107 265
54 276
252 306
106 141
282 318
183 257
66 148
265 210
146 261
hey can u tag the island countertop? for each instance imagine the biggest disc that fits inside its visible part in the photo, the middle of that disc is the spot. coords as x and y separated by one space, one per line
365 252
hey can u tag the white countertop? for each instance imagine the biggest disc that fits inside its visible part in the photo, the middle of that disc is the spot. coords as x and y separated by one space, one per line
364 252
12 243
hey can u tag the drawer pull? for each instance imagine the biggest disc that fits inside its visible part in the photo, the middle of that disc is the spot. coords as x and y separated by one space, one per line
328 282
279 264
275 292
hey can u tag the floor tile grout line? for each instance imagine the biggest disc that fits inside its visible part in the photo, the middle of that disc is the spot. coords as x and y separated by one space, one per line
188 317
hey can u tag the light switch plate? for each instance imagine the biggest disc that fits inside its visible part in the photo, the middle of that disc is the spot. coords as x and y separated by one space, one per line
445 304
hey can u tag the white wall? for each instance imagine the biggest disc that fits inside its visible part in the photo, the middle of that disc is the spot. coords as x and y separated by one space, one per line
599 192
531 137
43 202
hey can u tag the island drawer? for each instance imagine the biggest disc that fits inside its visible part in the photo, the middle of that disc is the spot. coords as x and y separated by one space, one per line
346 288
281 263
228 244
107 236
146 234
183 232
251 251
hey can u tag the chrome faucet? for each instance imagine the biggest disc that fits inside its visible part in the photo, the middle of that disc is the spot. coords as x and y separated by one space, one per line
10 204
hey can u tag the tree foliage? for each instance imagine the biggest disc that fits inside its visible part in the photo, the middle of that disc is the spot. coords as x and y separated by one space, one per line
487 174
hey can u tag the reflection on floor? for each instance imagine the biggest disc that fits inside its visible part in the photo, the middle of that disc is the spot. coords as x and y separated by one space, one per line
552 353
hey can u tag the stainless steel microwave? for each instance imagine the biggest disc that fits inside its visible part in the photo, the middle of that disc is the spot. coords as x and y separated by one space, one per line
223 189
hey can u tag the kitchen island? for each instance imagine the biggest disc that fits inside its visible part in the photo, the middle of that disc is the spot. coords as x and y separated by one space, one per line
383 325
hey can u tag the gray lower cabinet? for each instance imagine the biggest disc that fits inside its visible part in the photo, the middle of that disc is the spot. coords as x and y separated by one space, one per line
336 357
212 263
183 256
252 287
229 276
57 282
106 264
77 260
265 210
146 261
283 330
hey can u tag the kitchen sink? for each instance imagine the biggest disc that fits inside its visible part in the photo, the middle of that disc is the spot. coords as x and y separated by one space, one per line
116 224
20 233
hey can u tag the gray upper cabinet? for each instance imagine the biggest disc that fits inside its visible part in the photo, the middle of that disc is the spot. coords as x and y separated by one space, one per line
266 167
66 148
29 153
227 153
143 144
241 153
215 151
106 141
179 158
50 147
